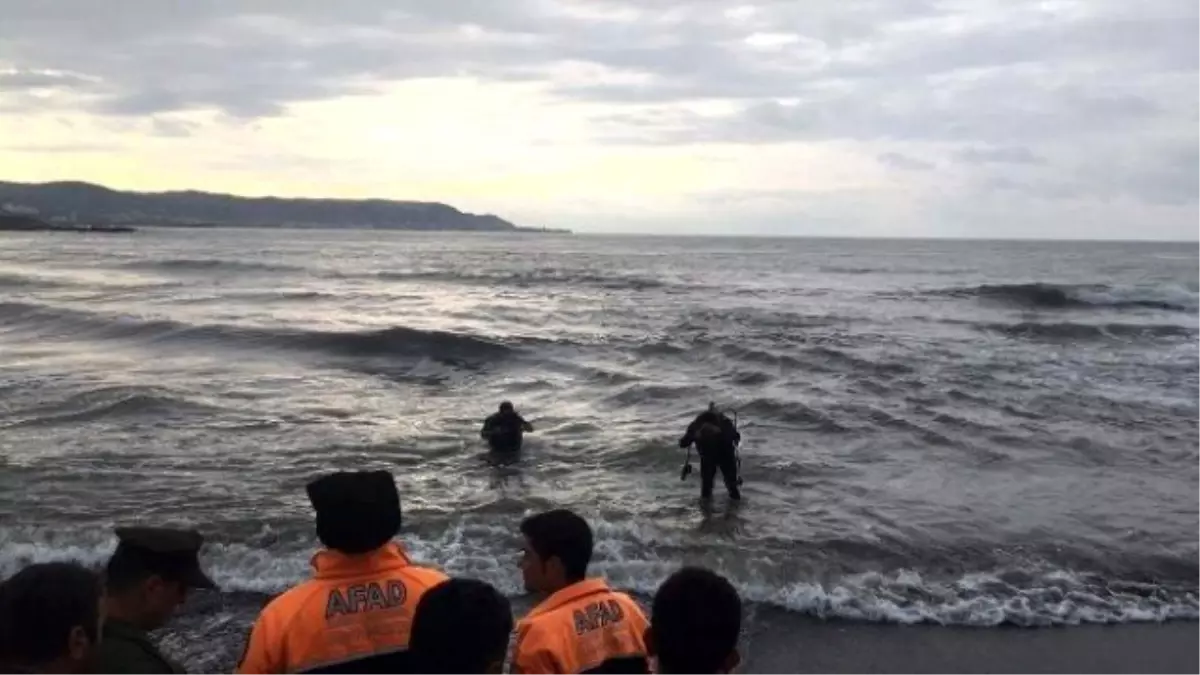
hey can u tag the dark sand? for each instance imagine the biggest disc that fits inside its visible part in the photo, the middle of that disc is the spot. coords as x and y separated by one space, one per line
782 643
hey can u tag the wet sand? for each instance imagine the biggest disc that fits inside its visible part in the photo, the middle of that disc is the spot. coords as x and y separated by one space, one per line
781 643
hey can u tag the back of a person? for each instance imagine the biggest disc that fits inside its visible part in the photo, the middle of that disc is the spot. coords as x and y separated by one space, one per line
461 626
711 438
507 434
356 613
601 632
696 619
345 623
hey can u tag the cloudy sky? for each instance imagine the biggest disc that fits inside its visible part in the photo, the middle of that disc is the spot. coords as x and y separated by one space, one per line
991 118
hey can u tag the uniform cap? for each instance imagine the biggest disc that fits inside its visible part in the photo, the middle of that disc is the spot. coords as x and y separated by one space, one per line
170 552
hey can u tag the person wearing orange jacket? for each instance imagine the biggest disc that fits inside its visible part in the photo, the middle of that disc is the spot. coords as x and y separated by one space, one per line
581 626
356 613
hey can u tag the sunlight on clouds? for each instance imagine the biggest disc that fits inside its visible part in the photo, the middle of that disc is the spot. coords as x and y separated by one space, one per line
480 146
771 40
740 13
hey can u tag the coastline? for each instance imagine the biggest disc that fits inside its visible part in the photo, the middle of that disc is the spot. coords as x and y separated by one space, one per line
779 642
210 631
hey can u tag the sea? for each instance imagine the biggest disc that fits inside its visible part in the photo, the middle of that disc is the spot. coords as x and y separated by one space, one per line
964 433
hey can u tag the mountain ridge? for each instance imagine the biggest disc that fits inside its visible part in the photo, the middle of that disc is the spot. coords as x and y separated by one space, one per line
94 203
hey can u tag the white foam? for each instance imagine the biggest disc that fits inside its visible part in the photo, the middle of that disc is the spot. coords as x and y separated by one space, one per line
1168 294
905 596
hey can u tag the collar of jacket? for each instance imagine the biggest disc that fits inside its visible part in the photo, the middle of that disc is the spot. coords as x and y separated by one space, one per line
570 594
330 564
127 631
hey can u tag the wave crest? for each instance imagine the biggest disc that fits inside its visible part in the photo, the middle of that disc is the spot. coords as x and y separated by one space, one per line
1041 295
1023 596
396 341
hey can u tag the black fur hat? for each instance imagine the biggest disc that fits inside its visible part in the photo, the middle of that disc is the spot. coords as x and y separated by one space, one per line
357 511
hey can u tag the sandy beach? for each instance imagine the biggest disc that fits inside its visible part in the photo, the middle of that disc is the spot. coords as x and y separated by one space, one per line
782 643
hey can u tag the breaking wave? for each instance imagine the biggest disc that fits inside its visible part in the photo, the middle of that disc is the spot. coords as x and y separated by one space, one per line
1024 596
1171 298
1082 331
395 341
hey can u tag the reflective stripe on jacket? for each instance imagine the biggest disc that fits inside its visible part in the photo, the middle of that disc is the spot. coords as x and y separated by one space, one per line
355 609
584 628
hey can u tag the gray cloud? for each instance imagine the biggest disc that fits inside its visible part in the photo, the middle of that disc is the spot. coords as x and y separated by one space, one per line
903 162
23 80
1050 101
1013 154
172 128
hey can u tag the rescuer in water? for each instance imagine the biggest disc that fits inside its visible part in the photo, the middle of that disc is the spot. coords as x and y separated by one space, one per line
505 430
716 438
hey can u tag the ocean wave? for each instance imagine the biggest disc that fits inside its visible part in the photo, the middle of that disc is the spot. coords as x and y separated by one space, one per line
208 265
1037 595
13 281
791 412
107 403
641 393
1039 295
531 279
1068 331
396 341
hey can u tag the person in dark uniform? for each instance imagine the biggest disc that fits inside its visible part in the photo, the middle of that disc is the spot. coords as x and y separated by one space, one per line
50 619
505 430
148 577
716 440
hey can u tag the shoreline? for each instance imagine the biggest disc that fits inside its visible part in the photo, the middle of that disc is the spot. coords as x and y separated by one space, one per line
776 642
209 633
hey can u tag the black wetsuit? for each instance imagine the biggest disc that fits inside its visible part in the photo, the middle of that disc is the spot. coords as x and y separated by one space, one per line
505 431
716 440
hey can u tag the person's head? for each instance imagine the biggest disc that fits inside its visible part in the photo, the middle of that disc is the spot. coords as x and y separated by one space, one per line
51 618
149 575
460 626
507 407
712 408
357 511
695 620
558 548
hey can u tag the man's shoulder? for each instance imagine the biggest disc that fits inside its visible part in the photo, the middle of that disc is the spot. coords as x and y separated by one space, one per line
120 652
291 599
630 604
426 576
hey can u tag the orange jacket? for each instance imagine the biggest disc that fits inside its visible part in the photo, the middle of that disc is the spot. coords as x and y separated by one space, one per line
354 607
579 629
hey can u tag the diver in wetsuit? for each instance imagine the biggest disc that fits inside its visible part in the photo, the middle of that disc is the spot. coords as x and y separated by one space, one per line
716 440
505 430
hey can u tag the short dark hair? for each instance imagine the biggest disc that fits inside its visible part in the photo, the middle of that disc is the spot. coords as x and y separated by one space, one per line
40 605
696 617
460 626
564 535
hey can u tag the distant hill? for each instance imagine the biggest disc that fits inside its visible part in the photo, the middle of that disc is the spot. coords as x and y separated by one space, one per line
85 202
